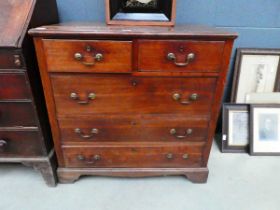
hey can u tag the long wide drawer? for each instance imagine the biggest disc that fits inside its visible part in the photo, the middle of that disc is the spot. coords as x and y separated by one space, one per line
20 143
133 128
14 86
17 114
88 56
90 94
134 156
191 56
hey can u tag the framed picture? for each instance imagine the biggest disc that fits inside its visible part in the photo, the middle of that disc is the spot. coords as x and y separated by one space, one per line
235 137
265 130
256 71
141 4
141 12
263 98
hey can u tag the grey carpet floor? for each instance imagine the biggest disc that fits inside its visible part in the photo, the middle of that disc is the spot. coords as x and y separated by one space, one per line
236 182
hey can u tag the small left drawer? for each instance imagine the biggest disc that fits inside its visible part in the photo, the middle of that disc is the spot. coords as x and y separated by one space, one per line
14 86
17 114
88 56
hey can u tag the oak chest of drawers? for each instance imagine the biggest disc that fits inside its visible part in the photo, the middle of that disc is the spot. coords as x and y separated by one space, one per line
133 101
25 135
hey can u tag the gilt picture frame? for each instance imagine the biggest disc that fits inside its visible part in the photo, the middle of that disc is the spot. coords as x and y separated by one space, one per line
265 130
235 129
256 71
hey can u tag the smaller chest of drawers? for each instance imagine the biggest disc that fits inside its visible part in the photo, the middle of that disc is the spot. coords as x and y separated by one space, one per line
132 101
25 135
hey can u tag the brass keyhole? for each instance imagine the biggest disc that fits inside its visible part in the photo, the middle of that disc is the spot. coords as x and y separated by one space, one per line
134 83
88 48
181 49
169 156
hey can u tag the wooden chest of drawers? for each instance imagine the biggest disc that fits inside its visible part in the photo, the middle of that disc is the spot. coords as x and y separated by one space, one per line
132 101
25 135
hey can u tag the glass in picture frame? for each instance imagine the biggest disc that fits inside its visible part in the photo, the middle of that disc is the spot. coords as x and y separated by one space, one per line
235 136
265 130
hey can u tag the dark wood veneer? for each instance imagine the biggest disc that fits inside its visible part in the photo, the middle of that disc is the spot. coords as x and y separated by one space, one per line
17 114
20 143
14 85
24 128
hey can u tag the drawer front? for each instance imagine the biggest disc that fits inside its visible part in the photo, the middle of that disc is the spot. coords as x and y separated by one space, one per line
17 114
134 156
191 56
14 86
131 128
88 56
11 60
124 94
20 143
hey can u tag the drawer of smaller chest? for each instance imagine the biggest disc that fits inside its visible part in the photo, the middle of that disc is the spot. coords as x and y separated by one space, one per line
134 156
17 114
191 56
89 94
14 86
11 59
20 143
88 56
133 128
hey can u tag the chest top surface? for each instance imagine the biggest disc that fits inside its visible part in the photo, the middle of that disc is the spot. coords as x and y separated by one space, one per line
14 19
83 30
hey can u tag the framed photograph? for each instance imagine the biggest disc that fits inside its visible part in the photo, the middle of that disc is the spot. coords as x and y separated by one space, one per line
265 130
256 71
235 137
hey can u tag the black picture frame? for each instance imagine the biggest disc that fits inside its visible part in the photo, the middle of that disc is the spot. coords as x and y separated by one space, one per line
253 141
226 147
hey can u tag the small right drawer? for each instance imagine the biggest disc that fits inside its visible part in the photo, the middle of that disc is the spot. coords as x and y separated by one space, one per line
191 56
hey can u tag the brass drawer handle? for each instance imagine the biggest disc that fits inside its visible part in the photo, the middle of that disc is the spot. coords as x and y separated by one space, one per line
169 156
174 132
76 97
189 58
92 160
3 143
185 156
93 132
17 60
178 97
80 57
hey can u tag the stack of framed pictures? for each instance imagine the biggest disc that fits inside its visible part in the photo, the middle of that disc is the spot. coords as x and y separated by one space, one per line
251 122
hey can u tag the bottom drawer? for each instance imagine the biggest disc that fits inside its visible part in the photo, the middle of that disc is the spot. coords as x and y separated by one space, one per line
107 156
20 143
